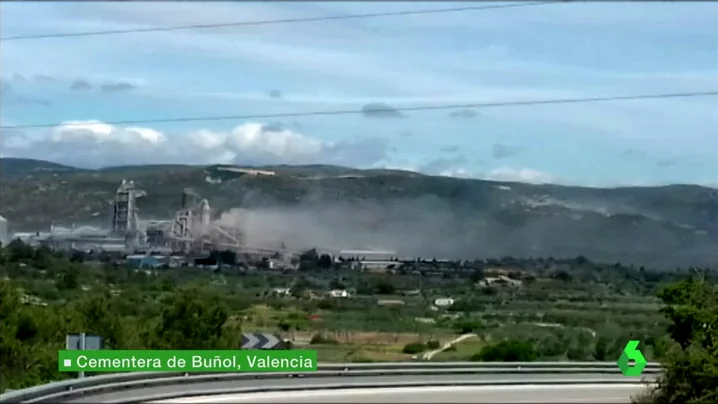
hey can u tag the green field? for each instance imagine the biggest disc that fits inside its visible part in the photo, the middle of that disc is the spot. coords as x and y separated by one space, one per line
545 316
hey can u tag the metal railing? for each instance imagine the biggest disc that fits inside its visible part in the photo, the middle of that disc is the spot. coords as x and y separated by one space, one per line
75 388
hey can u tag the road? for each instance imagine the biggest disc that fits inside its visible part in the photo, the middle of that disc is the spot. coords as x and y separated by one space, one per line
430 354
620 393
234 386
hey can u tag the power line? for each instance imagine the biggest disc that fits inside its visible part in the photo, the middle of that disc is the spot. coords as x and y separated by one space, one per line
282 21
388 109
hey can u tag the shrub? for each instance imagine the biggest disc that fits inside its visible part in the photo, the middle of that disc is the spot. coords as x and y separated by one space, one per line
507 351
414 348
322 339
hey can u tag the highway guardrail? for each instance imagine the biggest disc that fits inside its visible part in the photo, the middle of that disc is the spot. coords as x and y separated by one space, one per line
88 386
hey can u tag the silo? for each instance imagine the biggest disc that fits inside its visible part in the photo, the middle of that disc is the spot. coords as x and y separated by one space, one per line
4 231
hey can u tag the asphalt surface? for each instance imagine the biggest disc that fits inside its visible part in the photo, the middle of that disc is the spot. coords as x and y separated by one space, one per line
484 394
189 388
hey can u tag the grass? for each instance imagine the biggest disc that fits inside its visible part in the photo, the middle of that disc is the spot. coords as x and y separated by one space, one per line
353 353
368 346
348 346
350 341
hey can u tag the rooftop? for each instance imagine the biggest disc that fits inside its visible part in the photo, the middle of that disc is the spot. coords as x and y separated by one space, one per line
366 252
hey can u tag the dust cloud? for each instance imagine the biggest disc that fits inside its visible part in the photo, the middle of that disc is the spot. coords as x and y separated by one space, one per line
431 227
425 227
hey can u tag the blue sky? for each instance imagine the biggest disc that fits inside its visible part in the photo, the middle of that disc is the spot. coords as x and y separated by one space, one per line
513 54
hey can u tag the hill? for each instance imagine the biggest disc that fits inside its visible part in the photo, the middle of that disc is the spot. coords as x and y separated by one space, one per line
414 214
16 167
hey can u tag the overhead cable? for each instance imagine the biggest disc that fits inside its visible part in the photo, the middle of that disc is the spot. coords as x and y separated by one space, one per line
386 109
280 21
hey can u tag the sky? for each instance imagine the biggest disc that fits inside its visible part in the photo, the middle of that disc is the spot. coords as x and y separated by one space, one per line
375 66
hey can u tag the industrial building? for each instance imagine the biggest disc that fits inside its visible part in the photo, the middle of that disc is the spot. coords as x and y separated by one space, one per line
145 261
367 255
191 232
83 238
125 221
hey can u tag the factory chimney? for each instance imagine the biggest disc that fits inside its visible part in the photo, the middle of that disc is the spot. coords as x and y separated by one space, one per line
189 198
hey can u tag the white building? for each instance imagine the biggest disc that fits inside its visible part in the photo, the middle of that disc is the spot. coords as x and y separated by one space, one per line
357 265
444 302
337 293
4 231
367 255
282 291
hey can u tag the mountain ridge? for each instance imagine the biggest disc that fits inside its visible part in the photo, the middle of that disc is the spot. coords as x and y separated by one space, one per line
409 212
16 166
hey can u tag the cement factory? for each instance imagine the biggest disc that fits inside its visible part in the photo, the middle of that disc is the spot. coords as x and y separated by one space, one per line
190 233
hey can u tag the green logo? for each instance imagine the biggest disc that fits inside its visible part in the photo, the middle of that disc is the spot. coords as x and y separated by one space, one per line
631 353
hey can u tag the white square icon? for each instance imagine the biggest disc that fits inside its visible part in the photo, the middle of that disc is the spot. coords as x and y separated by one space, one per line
67 363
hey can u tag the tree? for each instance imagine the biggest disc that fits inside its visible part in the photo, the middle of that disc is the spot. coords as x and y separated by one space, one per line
600 352
100 316
77 256
413 348
28 343
10 347
691 363
337 284
19 251
129 309
476 275
324 261
308 260
384 287
193 319
507 351
69 279
300 287
468 326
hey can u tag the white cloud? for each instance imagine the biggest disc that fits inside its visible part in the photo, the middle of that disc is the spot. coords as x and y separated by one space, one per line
520 175
507 174
398 165
282 145
457 173
95 143
709 183
102 133
459 169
